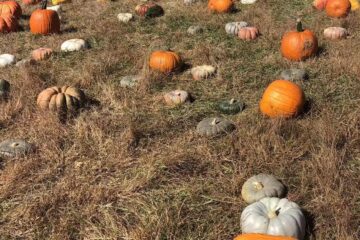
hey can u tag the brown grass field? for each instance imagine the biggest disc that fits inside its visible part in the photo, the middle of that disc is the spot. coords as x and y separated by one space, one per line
130 168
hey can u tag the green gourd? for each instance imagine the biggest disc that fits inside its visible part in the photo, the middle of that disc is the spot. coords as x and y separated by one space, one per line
231 107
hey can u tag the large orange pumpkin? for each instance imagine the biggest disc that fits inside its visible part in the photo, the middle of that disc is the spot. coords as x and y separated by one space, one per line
300 44
8 21
220 6
338 8
256 236
164 61
282 98
44 21
11 7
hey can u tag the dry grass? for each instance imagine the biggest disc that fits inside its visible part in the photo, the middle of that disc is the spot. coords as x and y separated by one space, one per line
131 168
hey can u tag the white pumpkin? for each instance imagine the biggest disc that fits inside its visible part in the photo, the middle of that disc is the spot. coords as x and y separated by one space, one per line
234 27
189 2
176 97
56 8
6 60
274 216
248 1
202 72
125 17
195 30
73 45
335 33
260 186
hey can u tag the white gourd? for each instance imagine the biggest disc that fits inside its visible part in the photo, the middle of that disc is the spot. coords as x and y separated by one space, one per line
248 1
176 97
6 60
274 216
260 186
73 45
125 17
234 27
335 33
202 72
189 2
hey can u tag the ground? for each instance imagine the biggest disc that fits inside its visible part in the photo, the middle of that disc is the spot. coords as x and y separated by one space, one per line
128 167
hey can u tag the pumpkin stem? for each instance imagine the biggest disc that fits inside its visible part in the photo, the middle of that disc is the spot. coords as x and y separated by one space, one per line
214 122
44 4
232 101
299 27
274 214
258 185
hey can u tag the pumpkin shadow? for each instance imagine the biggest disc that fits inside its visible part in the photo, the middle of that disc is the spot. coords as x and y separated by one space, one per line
235 10
321 51
25 17
70 30
184 67
310 224
309 103
91 102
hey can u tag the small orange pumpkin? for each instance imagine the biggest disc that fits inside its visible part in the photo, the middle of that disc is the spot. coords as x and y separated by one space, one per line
220 6
41 54
165 61
282 98
149 9
31 2
256 236
11 7
248 33
338 8
299 45
44 21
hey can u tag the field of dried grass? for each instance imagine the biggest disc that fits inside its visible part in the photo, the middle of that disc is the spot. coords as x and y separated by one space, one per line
128 167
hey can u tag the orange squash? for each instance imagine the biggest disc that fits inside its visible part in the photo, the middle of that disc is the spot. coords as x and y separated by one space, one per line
44 21
282 98
256 236
300 44
41 54
11 7
220 6
165 61
338 8
61 99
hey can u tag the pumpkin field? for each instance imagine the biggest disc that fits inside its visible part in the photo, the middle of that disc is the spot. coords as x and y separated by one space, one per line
180 119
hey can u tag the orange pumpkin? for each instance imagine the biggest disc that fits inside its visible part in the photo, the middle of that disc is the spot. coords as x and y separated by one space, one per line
8 22
300 44
165 61
11 7
31 2
62 100
256 236
220 6
282 98
41 54
338 8
44 21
